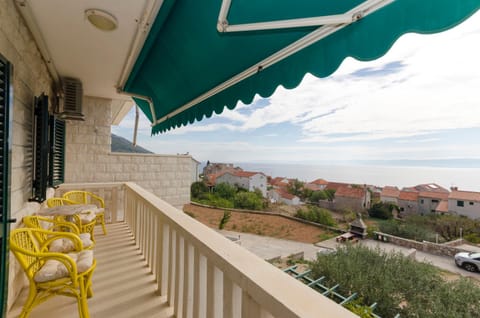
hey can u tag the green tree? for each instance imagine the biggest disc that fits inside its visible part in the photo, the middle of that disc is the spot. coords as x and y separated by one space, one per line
381 210
225 190
317 196
397 283
330 194
248 200
295 187
198 188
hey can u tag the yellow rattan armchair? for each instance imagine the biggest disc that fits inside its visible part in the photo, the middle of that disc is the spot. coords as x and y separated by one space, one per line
57 225
59 202
85 197
81 221
73 276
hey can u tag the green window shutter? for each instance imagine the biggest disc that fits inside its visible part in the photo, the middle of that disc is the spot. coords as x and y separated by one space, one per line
4 120
41 149
5 144
57 152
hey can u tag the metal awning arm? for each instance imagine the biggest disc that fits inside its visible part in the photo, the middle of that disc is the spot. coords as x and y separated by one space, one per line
346 18
321 32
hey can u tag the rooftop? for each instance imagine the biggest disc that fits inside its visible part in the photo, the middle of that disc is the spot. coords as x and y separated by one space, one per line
350 192
389 191
442 207
241 174
320 182
284 194
408 196
433 195
465 195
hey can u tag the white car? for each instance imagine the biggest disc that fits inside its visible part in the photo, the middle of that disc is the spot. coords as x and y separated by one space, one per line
469 261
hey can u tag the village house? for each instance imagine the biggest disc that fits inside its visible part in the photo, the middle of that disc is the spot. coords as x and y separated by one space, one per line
213 168
465 203
244 179
316 185
428 201
353 198
279 182
407 202
389 194
282 196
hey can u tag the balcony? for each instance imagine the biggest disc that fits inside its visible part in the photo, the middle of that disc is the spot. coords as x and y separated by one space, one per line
158 262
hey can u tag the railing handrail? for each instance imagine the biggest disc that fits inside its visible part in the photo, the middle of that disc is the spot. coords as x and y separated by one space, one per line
278 293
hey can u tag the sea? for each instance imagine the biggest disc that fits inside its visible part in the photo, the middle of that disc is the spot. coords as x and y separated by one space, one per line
466 177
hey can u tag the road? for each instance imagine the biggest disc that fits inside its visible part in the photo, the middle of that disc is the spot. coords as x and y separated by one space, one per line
268 248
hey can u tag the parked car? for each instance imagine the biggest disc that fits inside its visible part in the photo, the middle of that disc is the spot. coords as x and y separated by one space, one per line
469 261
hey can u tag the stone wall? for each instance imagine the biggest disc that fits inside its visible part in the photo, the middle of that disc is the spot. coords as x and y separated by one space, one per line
89 158
346 203
30 79
427 247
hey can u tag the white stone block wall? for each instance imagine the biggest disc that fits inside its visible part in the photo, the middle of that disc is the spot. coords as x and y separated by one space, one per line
89 158
30 79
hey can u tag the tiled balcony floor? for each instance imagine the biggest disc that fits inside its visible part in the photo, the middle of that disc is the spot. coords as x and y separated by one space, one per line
122 284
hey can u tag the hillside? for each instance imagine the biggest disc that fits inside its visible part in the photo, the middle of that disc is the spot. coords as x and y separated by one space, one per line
120 144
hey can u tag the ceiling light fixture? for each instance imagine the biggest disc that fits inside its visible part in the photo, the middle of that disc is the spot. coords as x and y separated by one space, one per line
101 20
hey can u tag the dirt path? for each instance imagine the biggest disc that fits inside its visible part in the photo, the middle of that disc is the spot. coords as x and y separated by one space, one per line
267 225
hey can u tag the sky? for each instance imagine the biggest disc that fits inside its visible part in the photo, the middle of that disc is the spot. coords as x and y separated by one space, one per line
421 101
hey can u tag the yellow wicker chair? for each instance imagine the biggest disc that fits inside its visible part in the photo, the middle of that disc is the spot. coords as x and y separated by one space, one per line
72 275
85 197
57 224
78 220
52 202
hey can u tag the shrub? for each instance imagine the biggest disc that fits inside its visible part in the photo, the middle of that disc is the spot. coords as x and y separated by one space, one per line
381 210
214 200
407 230
397 283
225 219
248 200
225 190
317 215
198 188
318 195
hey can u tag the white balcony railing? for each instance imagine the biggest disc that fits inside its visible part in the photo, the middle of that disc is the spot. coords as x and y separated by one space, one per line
201 273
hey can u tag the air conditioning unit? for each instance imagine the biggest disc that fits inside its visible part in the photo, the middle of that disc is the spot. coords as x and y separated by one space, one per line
71 99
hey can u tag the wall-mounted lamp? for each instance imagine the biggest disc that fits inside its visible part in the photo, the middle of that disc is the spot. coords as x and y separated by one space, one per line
101 20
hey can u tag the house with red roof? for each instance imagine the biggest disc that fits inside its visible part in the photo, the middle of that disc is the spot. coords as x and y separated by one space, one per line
317 185
442 207
282 196
408 202
389 194
279 182
466 203
355 198
245 179
428 201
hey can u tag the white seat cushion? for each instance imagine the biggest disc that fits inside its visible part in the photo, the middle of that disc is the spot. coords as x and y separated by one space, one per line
64 245
53 269
87 217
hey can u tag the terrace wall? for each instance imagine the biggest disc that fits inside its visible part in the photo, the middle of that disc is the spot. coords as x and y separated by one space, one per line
89 158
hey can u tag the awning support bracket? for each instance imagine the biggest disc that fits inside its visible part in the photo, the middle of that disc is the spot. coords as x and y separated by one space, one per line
367 7
223 26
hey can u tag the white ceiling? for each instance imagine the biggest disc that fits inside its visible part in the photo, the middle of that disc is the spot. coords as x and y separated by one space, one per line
78 49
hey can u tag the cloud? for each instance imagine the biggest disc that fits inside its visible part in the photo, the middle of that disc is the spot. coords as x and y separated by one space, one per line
400 106
425 84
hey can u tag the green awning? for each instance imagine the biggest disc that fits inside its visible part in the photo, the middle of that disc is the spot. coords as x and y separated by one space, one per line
185 56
